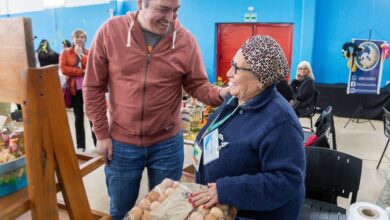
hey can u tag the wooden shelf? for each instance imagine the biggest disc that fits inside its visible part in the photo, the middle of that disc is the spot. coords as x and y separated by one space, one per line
14 204
17 203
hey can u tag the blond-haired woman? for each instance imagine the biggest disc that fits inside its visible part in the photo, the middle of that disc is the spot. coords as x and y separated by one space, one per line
303 88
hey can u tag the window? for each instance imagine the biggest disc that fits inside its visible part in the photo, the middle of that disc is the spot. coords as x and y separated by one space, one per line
53 3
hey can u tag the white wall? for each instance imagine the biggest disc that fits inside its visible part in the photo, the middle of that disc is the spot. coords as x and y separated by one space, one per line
20 6
75 3
3 7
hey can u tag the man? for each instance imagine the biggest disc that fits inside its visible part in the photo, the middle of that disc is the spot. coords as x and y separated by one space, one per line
144 59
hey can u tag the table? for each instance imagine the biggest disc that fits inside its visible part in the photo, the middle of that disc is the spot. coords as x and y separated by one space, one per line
17 203
344 105
318 210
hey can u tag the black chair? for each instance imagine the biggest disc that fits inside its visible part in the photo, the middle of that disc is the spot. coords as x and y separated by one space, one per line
317 210
329 117
325 125
386 130
330 174
325 130
311 110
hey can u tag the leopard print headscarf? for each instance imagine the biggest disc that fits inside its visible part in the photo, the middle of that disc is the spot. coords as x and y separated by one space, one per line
266 59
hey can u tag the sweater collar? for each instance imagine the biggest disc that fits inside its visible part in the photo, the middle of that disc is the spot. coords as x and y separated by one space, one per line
133 26
258 101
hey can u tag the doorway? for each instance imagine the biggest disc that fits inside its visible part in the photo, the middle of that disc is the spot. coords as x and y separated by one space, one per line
230 37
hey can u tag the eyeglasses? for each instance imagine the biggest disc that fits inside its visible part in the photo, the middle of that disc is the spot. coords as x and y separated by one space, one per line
303 68
235 68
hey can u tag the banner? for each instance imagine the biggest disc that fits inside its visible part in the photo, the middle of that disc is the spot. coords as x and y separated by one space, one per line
368 75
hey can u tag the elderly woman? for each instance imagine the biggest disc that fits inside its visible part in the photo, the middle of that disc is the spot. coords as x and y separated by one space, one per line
252 153
303 88
73 62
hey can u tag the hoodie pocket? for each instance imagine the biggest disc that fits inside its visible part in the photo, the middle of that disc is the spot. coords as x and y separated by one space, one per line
160 123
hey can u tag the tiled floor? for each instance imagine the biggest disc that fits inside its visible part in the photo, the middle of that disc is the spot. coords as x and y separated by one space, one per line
362 141
359 140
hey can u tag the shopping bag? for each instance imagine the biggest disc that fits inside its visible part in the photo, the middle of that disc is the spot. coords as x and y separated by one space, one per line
66 94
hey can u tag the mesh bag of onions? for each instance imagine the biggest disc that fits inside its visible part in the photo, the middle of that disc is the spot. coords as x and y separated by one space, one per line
169 201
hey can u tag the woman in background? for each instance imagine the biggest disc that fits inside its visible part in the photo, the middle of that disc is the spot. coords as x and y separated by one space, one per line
73 62
303 88
284 88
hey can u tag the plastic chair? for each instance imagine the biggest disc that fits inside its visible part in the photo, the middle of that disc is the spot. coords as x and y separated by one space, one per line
311 110
386 130
325 118
330 174
325 130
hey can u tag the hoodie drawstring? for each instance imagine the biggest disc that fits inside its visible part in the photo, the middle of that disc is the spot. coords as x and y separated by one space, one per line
129 33
173 40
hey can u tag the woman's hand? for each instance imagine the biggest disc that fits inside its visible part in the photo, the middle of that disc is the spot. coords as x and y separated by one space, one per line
207 197
78 50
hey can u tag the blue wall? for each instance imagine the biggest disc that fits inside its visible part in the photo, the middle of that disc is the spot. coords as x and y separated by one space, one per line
304 25
338 22
58 24
320 27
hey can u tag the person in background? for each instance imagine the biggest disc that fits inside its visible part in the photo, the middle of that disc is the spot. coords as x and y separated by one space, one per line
66 44
46 56
144 59
73 62
285 90
260 164
303 88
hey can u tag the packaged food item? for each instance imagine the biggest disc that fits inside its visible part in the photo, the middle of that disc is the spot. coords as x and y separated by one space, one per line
13 175
11 146
169 201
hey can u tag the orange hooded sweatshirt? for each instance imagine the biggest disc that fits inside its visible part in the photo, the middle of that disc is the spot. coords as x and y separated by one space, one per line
145 89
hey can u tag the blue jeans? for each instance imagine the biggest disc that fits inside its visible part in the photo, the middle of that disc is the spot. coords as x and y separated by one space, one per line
124 171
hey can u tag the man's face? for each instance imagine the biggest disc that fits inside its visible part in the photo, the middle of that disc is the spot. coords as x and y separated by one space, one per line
159 15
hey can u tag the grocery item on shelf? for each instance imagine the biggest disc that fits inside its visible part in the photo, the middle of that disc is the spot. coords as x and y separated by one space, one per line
13 176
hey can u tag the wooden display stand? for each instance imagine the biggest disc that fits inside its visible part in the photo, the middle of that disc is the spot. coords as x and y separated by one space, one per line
52 164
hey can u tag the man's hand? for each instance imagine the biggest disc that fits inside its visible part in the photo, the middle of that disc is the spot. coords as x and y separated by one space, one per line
224 92
104 149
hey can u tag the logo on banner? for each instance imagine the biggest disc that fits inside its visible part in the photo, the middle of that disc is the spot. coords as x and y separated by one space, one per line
368 58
